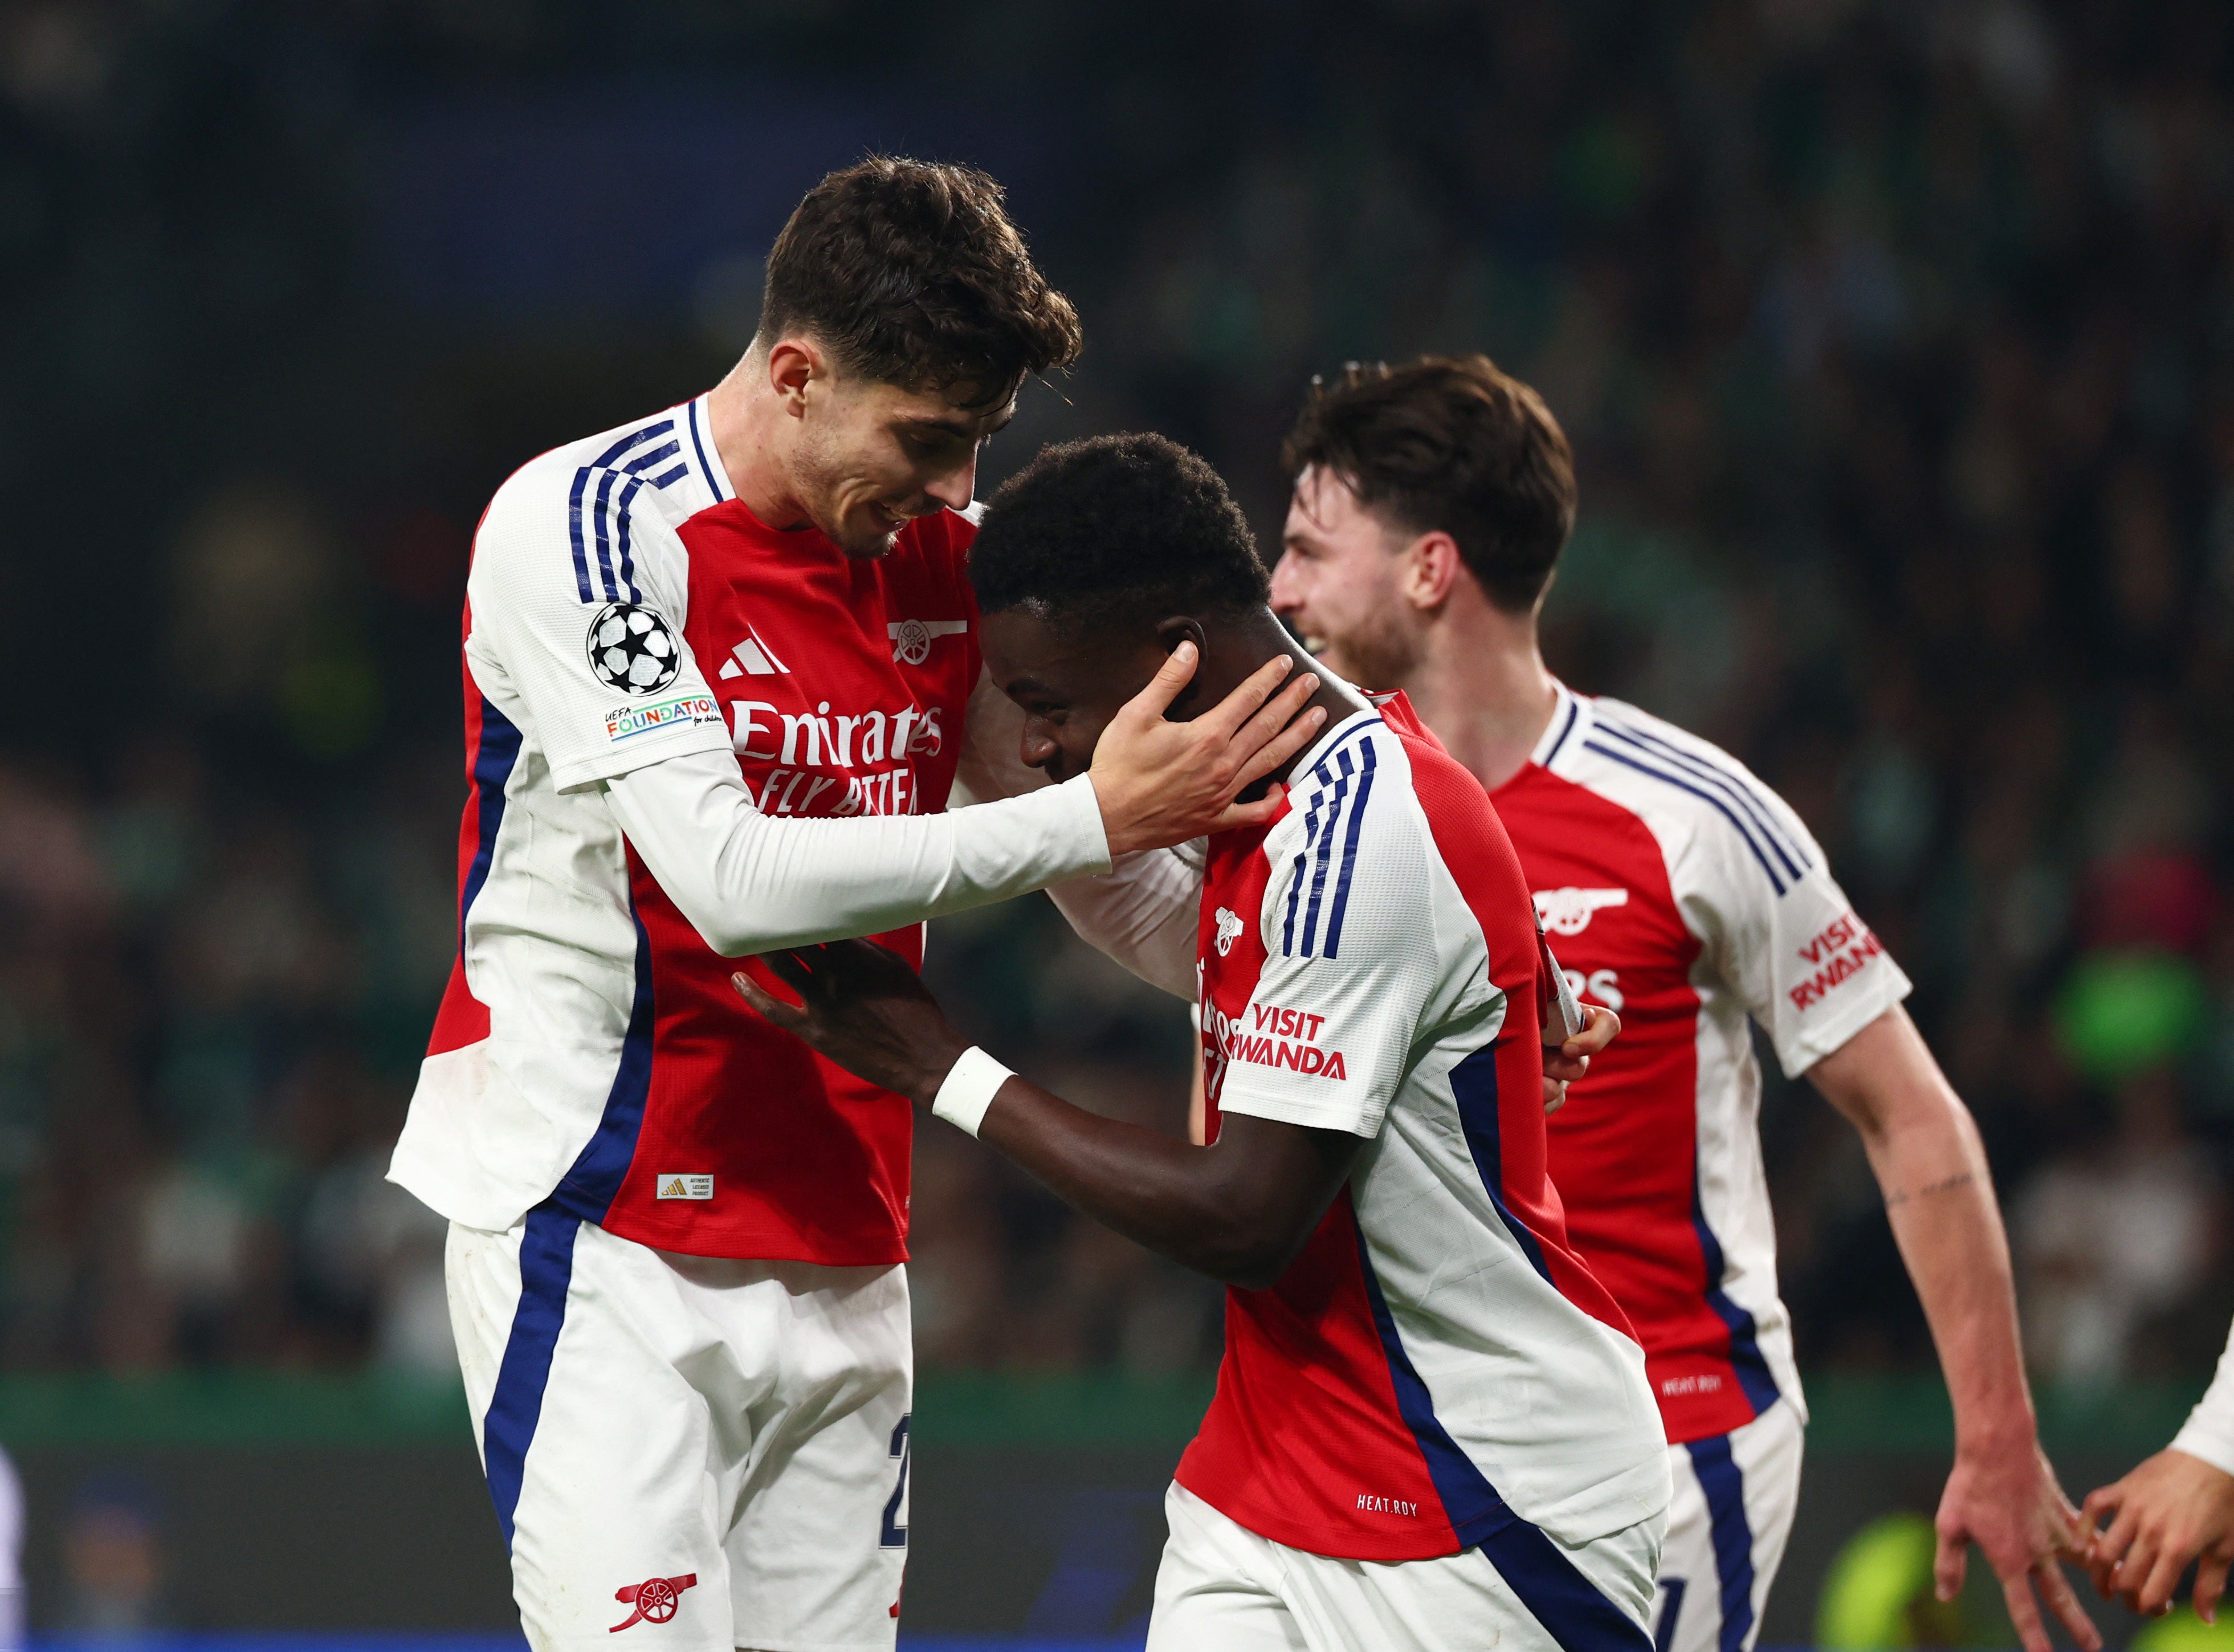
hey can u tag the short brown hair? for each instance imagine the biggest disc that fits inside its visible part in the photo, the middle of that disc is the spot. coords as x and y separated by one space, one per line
910 272
1449 443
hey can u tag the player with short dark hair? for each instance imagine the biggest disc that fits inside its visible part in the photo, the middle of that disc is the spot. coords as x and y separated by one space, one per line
1107 528
1431 502
1431 1426
912 274
722 671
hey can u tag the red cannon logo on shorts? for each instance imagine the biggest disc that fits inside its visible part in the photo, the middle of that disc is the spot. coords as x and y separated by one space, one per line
655 1599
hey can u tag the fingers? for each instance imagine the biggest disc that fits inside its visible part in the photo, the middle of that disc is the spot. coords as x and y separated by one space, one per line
1949 1561
1558 1064
2066 1606
1227 716
2103 1499
787 1016
790 969
1173 674
1279 748
2105 1547
1249 814
2024 1611
1277 713
1600 1028
2106 1550
2154 1596
2209 1584
2130 1574
1555 1096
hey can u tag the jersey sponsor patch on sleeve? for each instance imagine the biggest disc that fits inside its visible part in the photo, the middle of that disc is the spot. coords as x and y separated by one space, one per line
1832 956
1269 1036
628 722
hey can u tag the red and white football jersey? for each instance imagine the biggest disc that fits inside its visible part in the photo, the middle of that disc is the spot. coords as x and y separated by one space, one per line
625 607
1438 1363
1680 892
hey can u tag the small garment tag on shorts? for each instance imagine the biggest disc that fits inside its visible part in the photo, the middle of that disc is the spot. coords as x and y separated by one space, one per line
672 1185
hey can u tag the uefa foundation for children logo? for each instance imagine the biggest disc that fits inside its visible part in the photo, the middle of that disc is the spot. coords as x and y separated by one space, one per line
632 650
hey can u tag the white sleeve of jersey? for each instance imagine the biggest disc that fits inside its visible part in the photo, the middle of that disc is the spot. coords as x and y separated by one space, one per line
751 883
2209 1431
1143 911
530 641
1753 881
1350 968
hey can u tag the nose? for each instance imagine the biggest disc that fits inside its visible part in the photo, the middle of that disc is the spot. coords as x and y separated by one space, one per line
1287 585
1038 748
957 486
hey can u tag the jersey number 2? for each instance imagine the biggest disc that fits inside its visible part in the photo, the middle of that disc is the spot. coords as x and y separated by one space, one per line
895 1534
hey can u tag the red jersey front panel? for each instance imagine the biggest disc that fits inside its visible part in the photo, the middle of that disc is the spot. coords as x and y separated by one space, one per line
844 685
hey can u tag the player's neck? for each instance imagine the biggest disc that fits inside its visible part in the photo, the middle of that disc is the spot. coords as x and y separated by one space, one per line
1481 685
748 443
1235 653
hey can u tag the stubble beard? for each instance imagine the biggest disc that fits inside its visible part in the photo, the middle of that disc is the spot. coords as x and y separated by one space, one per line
820 478
1379 656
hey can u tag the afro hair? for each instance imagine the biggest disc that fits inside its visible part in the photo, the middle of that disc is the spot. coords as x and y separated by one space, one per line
1125 528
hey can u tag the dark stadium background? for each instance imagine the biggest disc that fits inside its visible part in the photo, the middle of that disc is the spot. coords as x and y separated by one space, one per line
1896 340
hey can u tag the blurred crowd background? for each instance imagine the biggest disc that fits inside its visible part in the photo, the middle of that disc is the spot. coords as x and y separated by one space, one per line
1895 338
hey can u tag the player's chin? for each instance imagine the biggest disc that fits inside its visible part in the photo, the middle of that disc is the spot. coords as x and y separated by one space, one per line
872 531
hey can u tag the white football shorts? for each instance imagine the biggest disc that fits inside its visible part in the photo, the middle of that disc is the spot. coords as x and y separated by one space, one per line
1222 1588
1736 1494
691 1452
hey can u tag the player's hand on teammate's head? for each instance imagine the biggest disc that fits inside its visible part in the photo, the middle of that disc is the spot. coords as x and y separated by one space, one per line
1565 1063
2171 1509
1161 783
864 1008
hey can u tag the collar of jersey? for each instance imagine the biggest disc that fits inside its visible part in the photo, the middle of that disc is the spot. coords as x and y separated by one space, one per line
1571 719
1333 737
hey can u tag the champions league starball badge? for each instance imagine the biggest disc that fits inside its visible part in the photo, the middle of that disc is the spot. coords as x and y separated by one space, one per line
632 650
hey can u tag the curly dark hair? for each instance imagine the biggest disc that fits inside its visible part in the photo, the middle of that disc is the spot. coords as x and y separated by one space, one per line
1126 528
1449 442
910 272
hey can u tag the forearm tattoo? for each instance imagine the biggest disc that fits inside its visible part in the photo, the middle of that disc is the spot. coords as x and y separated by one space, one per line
1894 1200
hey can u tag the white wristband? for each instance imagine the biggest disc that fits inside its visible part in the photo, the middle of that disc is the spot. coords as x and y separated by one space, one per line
969 1089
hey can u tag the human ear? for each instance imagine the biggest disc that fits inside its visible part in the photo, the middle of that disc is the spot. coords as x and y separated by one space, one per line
1170 634
1431 565
791 363
1180 629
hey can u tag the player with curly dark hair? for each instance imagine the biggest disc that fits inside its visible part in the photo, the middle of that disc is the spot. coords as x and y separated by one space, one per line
1111 528
703 649
1431 1426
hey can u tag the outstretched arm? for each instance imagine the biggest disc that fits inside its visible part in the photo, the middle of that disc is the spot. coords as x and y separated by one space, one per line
1939 1196
1238 1210
2175 1508
748 881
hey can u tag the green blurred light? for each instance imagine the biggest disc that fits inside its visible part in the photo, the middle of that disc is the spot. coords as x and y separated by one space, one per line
1879 1593
2122 1011
2183 1631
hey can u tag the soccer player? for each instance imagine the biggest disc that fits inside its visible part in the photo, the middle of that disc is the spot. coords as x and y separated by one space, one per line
719 675
2174 1510
1432 1427
1431 503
